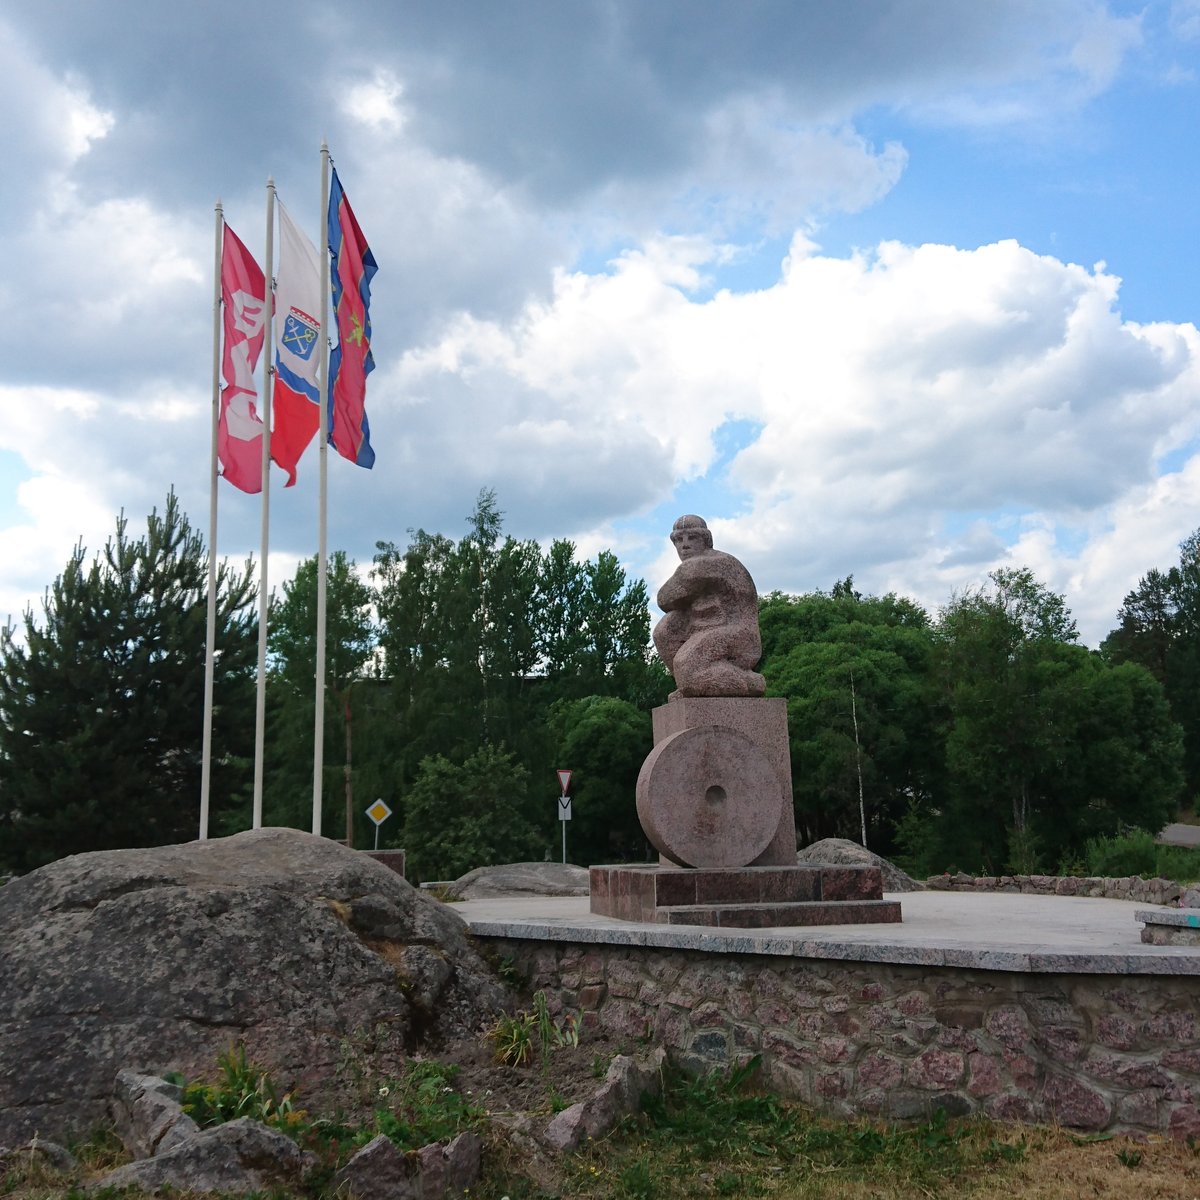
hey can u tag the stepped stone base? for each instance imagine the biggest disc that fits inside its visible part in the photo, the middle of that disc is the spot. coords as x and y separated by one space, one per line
742 897
1170 926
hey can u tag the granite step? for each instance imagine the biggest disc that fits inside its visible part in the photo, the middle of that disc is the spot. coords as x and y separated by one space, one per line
767 916
637 893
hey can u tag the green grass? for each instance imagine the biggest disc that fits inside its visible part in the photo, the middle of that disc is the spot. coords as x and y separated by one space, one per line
722 1136
716 1135
1137 853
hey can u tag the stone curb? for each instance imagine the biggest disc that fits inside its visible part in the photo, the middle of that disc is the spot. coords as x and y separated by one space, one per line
1132 887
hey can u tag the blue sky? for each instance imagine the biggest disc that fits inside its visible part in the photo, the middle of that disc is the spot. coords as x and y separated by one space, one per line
903 289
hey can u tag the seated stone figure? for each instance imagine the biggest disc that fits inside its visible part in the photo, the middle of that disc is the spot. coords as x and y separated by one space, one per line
709 638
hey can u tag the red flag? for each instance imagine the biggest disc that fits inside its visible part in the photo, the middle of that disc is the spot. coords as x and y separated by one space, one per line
244 299
352 268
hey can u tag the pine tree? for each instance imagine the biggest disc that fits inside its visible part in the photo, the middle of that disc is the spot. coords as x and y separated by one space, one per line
101 700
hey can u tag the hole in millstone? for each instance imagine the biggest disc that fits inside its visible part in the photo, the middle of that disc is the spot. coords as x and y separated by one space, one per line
715 795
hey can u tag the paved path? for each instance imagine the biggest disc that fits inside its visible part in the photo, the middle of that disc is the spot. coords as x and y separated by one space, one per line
1180 835
999 931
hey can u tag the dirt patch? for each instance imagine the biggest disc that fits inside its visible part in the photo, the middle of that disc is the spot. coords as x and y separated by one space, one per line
540 1087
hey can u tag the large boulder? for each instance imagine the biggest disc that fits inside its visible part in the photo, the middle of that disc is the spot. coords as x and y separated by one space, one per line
520 879
840 852
160 959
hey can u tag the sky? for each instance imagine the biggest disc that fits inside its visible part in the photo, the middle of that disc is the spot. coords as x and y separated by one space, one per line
898 289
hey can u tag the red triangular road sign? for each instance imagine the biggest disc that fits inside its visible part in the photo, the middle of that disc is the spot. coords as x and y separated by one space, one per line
564 781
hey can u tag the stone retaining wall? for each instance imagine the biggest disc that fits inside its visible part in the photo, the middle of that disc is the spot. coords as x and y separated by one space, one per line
1133 887
1095 1052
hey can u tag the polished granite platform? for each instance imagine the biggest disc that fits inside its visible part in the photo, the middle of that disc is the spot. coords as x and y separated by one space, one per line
990 931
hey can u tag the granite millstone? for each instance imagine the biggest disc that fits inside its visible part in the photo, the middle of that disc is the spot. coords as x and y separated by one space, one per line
709 797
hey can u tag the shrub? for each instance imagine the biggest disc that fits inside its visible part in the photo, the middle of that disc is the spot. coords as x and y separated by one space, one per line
1132 853
1179 863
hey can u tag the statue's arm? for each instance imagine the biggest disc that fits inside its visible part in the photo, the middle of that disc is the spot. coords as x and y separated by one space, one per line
684 587
674 593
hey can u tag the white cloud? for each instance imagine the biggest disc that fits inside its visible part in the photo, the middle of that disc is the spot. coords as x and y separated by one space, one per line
895 392
1031 73
1185 19
60 511
376 102
59 119
922 412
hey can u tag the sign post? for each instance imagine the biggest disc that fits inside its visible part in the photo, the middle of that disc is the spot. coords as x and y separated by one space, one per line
378 812
564 807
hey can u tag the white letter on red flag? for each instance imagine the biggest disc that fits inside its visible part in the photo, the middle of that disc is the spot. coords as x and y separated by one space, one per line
243 297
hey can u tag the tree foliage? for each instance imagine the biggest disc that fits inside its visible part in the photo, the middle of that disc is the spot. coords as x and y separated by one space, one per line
1045 744
603 740
855 671
350 637
481 636
101 703
459 816
1159 629
464 672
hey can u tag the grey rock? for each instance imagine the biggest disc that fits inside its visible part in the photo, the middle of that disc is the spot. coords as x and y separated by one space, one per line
620 1094
840 852
147 1114
520 879
380 1171
160 959
59 1157
463 1161
236 1158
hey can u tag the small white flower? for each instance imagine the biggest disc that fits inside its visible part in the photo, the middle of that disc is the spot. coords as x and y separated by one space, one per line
383 1091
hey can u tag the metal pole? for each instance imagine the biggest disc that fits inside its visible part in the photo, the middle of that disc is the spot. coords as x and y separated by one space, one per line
260 709
349 779
322 499
862 810
210 635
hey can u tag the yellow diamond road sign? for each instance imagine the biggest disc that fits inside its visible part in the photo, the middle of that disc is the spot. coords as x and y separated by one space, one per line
379 812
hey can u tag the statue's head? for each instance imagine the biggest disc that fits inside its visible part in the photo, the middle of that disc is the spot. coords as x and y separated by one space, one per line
690 536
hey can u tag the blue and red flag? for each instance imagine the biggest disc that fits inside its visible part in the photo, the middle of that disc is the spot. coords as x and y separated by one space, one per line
352 268
296 399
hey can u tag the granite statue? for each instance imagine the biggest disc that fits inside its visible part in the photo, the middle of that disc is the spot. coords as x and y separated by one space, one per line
709 638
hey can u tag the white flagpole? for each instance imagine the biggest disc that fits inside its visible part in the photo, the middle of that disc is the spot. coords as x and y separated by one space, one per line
210 637
260 712
323 457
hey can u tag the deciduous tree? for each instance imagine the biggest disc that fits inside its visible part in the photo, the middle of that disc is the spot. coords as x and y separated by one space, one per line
855 672
462 815
350 638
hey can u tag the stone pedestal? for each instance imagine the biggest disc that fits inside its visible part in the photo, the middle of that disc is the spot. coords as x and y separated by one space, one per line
716 790
394 859
742 897
715 799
